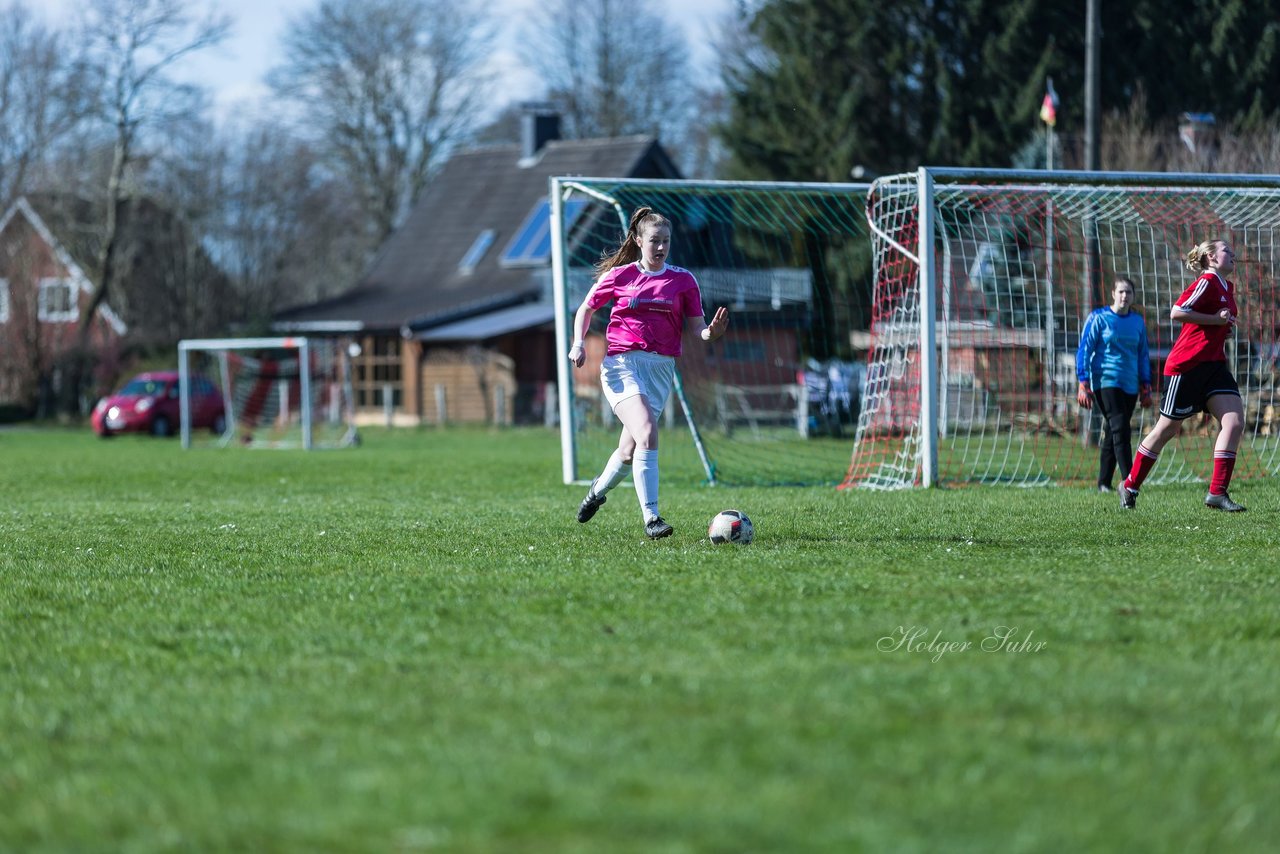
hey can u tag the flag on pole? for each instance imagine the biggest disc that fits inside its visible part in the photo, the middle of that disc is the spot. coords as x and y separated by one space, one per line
1049 106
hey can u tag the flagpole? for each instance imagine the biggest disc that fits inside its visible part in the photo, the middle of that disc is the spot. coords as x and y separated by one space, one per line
1049 115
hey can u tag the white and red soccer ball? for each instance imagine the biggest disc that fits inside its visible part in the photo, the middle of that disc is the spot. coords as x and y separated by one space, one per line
731 526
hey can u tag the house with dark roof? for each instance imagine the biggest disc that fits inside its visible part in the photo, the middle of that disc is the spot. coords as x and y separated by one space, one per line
454 318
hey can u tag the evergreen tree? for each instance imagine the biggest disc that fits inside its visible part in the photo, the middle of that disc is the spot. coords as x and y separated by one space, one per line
1189 55
989 71
831 85
822 86
822 90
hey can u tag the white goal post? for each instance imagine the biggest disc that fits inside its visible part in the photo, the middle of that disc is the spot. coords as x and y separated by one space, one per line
274 392
774 401
984 278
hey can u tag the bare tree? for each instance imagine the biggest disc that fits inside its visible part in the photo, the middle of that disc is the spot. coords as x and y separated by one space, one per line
1132 141
43 96
264 206
25 360
616 68
287 233
133 45
390 85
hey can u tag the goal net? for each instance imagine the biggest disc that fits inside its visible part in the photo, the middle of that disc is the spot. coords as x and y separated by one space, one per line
991 273
775 401
272 392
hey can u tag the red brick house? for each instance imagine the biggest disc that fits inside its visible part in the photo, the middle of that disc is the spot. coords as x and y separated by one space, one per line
44 287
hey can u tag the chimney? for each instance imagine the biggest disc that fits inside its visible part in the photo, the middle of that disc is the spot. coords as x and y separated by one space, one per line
539 124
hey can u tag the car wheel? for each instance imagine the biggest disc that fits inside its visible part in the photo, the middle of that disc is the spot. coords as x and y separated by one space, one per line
219 424
161 426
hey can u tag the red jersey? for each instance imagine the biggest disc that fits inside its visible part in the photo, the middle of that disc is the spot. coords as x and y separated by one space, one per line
1208 294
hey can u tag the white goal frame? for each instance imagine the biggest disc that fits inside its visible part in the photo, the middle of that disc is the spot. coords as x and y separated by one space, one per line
930 349
304 348
754 285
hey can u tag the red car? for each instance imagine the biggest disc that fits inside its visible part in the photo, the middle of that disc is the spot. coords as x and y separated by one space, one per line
148 403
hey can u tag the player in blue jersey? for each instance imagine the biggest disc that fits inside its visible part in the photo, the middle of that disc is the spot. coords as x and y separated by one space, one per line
1113 366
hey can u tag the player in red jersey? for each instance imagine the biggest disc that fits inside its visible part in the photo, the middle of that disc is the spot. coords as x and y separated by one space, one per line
1198 378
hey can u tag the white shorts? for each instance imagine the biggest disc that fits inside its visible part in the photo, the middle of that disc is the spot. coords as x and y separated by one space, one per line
638 372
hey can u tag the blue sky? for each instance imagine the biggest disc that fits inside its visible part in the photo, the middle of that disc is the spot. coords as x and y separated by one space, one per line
235 71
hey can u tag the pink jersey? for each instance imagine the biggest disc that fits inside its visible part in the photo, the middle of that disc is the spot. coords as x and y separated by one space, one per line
1208 294
649 309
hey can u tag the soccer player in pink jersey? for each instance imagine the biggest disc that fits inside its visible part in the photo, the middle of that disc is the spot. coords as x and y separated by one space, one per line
651 302
1198 378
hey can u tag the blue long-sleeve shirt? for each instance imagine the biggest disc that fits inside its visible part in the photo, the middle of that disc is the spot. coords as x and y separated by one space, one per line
1113 351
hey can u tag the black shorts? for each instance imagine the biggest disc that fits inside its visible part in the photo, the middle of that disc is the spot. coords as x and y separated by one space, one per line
1187 393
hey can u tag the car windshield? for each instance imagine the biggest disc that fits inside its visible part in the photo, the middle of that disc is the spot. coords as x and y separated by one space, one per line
140 387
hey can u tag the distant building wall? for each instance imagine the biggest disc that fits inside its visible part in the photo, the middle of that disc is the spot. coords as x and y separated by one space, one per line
478 385
39 319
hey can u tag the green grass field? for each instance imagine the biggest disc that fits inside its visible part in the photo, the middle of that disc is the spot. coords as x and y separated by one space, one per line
412 646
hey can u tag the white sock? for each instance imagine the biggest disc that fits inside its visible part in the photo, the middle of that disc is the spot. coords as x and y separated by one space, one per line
646 478
614 471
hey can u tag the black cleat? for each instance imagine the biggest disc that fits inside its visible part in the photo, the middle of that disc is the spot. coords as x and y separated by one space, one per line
590 504
1224 503
1128 497
656 529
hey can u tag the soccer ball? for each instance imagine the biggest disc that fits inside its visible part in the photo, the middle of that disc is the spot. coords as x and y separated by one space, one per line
730 526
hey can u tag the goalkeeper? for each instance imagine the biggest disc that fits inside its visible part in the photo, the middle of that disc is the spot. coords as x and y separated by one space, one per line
1113 366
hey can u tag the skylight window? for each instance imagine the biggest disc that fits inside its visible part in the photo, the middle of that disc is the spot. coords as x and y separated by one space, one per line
532 244
483 241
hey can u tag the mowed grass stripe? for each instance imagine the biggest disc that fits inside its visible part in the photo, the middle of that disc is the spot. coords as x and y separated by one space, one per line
413 645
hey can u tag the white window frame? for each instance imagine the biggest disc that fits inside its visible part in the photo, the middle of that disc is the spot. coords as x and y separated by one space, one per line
4 300
48 315
479 247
